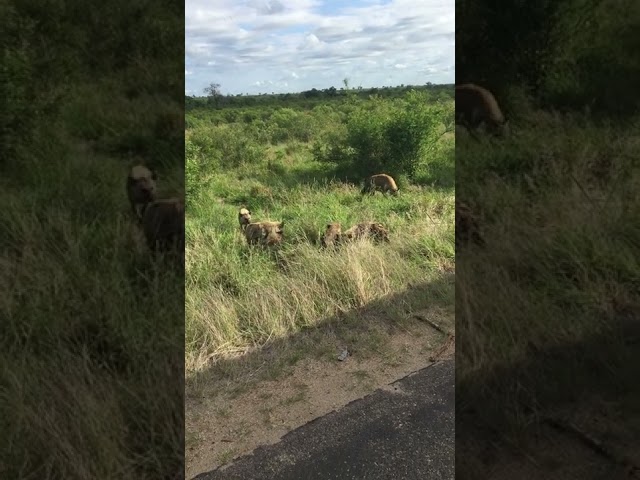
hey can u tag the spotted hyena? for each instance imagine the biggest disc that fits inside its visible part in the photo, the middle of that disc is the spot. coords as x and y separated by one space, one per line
373 230
244 218
331 235
141 188
475 106
163 225
264 233
380 182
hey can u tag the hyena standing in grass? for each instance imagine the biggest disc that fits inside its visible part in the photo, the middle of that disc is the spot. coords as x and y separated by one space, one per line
476 106
264 233
141 188
163 225
380 182
244 218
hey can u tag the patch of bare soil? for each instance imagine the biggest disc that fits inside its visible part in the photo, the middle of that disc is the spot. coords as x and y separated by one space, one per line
221 427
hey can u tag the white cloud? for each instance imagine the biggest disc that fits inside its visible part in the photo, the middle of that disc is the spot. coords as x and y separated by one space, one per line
302 44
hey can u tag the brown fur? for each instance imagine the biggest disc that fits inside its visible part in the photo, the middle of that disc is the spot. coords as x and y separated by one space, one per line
380 182
475 106
466 226
331 235
141 188
244 217
264 233
367 229
163 225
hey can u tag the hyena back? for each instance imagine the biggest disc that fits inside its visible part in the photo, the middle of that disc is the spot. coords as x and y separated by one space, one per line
163 225
380 182
374 230
475 106
264 233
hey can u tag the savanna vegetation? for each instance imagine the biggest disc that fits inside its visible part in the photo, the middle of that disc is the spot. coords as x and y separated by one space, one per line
91 330
560 215
302 161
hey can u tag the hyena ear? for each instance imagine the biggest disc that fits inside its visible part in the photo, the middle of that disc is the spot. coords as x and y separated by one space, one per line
281 224
328 225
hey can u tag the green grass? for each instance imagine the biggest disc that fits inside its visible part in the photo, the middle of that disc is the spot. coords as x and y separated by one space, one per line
561 265
238 297
91 325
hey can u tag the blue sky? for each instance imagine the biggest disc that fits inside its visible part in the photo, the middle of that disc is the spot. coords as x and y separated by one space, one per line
264 46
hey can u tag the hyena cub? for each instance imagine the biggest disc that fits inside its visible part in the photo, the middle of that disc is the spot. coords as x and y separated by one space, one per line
334 236
475 106
379 182
331 235
244 217
163 225
374 230
141 188
264 233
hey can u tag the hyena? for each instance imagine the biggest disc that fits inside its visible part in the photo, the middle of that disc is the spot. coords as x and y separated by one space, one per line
331 235
466 226
244 217
475 106
264 233
141 188
380 182
163 225
374 230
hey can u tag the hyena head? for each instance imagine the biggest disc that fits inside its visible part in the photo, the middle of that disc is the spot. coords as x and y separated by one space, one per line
141 185
244 217
379 232
273 233
331 235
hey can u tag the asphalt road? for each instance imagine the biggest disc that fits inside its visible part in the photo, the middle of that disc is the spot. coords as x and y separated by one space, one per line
403 432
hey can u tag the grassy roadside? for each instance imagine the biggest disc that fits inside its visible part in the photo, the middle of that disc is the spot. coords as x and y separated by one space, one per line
541 308
92 330
239 298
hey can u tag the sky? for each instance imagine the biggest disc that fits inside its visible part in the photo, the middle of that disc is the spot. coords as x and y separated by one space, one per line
265 46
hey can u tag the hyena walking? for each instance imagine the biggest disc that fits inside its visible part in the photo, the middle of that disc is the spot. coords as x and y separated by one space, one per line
475 106
380 182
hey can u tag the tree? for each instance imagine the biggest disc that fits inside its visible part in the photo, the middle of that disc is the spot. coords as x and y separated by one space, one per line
345 81
213 93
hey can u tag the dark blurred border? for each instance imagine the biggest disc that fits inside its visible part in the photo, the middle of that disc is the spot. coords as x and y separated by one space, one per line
92 330
548 237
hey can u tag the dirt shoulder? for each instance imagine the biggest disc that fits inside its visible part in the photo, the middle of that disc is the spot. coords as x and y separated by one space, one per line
221 425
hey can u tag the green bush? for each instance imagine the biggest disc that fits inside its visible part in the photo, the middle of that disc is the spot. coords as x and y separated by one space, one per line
390 136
